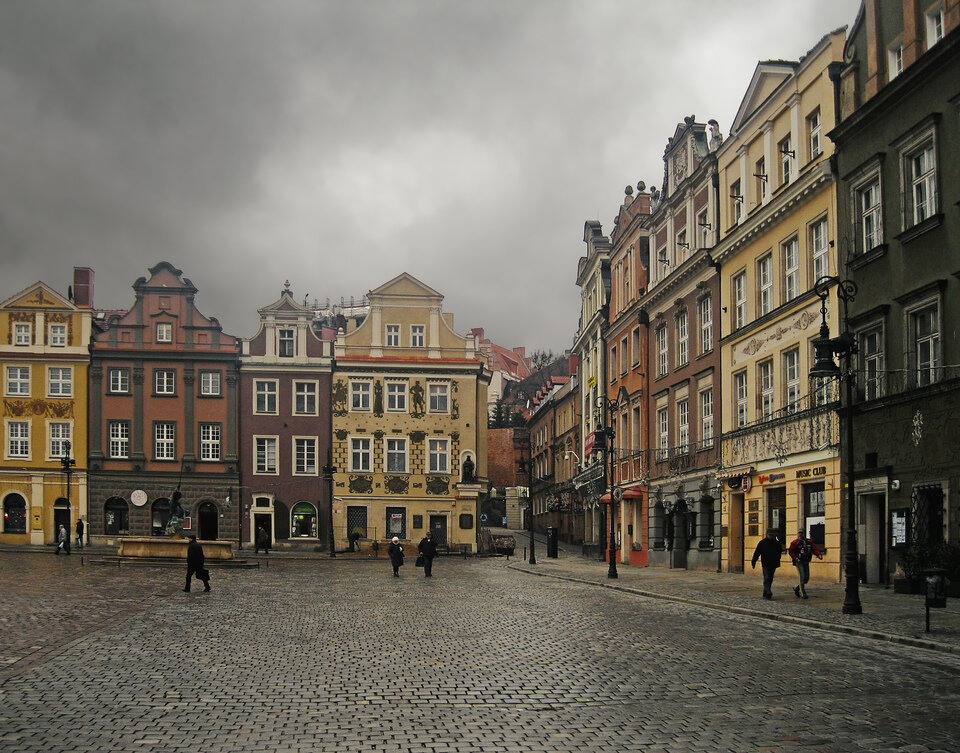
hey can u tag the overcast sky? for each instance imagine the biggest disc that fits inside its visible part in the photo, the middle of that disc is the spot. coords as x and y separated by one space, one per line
339 144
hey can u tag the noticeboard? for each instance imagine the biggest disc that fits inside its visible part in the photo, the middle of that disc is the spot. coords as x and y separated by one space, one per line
899 528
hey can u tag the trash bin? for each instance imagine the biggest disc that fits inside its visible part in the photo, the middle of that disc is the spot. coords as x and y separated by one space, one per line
552 542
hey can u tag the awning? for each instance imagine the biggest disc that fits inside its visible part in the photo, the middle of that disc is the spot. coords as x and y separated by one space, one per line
627 494
740 470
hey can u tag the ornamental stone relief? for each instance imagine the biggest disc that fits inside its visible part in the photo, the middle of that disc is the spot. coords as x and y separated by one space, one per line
38 408
766 339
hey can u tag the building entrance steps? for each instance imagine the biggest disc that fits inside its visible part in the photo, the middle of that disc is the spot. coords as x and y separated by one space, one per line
887 616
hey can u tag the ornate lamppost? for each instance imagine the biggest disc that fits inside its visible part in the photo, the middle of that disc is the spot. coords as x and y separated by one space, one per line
605 437
67 463
527 465
328 470
825 348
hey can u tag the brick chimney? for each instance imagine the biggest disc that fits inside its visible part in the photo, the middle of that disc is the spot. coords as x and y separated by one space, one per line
83 287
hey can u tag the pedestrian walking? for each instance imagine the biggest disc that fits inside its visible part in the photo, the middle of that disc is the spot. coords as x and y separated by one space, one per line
63 541
428 550
396 556
195 565
262 540
79 530
801 551
768 552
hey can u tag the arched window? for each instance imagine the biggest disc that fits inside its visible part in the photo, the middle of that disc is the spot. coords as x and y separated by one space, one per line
208 522
303 521
14 514
116 516
159 516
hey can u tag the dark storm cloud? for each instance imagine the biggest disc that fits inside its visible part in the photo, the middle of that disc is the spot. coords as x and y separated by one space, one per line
340 143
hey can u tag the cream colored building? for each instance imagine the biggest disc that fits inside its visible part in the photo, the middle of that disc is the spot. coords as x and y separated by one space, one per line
779 454
409 407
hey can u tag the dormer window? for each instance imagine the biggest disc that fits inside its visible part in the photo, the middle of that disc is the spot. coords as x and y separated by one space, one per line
164 332
285 343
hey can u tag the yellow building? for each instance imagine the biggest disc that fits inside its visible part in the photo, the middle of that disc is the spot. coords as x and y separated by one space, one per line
779 453
44 357
409 402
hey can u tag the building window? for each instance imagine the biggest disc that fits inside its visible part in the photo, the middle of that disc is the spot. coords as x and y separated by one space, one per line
18 380
683 340
683 247
393 335
396 522
624 356
663 362
119 433
705 315
765 384
815 511
740 300
305 456
416 336
635 346
265 395
736 200
164 382
305 398
285 343
813 133
164 332
439 398
786 161
740 395
894 62
760 176
58 432
683 425
164 440
925 333
791 269
791 379
118 381
360 396
396 455
22 334
871 355
303 521
612 368
59 382
439 452
703 230
923 175
706 417
58 335
14 514
869 223
765 285
18 439
360 455
819 248
210 441
934 20
663 434
210 383
116 517
266 454
397 396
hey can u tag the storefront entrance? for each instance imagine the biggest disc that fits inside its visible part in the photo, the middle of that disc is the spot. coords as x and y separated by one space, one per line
61 517
438 530
207 521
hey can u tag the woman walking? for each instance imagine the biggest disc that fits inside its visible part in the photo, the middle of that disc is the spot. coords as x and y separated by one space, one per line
396 556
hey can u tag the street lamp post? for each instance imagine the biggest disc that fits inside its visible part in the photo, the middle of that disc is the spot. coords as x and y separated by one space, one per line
607 434
328 470
825 367
528 465
67 463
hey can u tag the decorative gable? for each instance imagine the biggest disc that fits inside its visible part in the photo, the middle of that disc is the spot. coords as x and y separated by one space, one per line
767 78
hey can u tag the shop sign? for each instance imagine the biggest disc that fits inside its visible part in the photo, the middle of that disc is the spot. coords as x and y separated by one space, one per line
820 470
763 479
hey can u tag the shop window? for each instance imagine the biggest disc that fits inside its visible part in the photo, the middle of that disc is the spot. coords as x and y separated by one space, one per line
303 521
159 516
14 514
396 522
357 521
116 517
815 510
777 512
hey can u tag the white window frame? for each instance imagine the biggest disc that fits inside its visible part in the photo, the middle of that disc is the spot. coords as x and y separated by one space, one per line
438 454
683 426
396 447
791 380
741 397
118 381
920 142
210 383
361 454
933 22
165 440
312 394
705 400
703 228
22 334
56 436
438 390
705 316
57 334
361 392
118 438
736 190
925 372
262 457
663 433
392 339
814 134
21 381
923 182
663 350
300 460
765 384
739 300
164 332
269 391
397 397
160 380
22 438
872 361
59 381
765 285
683 338
417 336
818 236
790 253
894 61
786 161
286 336
211 441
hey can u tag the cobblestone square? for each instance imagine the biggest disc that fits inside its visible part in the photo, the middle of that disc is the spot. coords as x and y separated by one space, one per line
338 655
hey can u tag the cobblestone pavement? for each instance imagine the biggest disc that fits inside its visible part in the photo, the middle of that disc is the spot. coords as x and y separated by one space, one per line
338 655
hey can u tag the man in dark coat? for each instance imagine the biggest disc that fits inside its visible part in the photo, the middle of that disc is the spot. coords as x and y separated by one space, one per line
801 550
79 530
429 550
396 556
195 566
262 540
768 552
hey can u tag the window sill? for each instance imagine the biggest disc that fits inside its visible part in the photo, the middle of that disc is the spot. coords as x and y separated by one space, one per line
165 460
933 221
209 397
119 394
163 394
862 260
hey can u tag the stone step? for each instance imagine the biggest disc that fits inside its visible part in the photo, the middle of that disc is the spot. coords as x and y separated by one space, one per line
172 563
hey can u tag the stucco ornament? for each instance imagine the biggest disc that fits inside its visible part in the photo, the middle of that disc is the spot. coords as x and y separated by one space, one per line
917 428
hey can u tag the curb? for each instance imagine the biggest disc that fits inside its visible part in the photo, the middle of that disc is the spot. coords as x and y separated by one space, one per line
806 622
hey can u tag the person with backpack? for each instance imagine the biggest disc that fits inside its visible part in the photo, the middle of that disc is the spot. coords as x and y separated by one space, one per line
801 551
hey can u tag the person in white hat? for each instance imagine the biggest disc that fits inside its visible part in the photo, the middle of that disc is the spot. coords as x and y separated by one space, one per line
396 556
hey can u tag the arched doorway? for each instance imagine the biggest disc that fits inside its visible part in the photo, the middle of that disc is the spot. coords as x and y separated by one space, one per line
159 516
14 514
208 521
303 521
61 517
116 517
